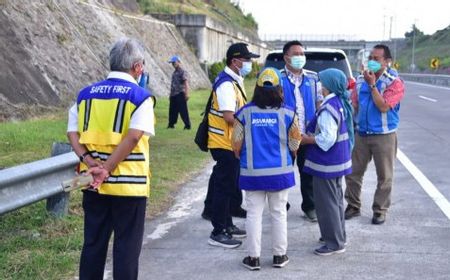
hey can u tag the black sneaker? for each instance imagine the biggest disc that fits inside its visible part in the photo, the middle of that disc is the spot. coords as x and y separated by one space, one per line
236 232
322 241
251 263
223 240
325 251
351 212
280 261
378 218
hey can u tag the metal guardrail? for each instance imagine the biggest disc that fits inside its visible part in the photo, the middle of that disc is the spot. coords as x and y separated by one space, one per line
29 183
434 79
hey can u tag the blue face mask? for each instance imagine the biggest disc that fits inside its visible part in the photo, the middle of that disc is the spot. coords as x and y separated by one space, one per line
246 68
298 61
374 66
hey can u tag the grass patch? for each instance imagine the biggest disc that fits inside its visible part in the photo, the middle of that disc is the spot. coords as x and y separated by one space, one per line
34 245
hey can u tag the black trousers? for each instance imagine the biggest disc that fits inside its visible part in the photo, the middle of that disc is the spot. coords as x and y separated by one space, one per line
236 199
178 105
103 215
306 181
224 179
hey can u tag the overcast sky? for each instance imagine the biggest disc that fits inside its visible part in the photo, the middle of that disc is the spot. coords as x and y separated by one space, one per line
369 20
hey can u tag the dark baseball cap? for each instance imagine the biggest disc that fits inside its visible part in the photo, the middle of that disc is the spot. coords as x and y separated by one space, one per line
240 50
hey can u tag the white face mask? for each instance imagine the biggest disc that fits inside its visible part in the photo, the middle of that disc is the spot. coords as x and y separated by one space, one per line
298 61
246 68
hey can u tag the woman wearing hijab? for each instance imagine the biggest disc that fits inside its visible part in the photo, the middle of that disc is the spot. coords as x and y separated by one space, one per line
330 135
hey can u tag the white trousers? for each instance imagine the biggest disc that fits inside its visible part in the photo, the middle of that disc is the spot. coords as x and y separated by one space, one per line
256 201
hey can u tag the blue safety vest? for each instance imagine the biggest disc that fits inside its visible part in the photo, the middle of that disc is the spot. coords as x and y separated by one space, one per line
370 120
308 90
265 161
335 162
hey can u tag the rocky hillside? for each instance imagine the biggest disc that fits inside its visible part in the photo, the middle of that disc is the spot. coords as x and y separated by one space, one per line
50 49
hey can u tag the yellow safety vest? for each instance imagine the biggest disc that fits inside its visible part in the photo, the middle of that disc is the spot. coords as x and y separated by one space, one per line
219 131
103 121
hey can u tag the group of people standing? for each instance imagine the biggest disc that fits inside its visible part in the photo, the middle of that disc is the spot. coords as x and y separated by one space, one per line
294 115
310 117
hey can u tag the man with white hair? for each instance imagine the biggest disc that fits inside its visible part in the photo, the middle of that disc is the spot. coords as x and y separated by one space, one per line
109 129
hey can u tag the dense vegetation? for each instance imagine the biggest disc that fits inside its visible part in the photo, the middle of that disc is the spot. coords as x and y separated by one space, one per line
426 48
222 10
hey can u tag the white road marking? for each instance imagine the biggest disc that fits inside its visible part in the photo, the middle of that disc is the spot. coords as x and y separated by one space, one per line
161 230
426 184
427 98
177 213
427 85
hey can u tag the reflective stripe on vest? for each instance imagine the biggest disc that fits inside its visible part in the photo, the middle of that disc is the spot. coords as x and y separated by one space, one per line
220 131
103 121
281 113
130 157
370 119
308 90
328 168
336 161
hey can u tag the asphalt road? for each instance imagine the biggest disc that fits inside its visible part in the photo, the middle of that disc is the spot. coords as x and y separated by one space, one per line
414 243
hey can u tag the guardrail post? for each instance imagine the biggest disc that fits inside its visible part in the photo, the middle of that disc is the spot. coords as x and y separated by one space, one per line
58 205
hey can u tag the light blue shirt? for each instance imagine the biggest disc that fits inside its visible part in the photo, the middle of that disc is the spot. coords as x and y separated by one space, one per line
328 128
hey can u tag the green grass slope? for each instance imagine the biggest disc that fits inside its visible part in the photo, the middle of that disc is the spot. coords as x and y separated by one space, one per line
222 10
427 47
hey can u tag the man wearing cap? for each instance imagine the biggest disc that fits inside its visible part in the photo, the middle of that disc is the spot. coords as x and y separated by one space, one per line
228 97
302 92
179 95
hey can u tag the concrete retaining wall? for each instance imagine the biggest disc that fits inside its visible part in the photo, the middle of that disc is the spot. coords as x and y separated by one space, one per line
210 39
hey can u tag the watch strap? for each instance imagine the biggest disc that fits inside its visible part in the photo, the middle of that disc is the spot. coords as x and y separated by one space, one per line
83 156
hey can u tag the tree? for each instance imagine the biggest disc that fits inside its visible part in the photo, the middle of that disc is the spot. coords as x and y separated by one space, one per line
415 30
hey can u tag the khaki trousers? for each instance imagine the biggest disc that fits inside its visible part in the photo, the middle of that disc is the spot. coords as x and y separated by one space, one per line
383 149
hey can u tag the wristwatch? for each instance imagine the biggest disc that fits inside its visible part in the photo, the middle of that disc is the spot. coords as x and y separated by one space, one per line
372 86
83 156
